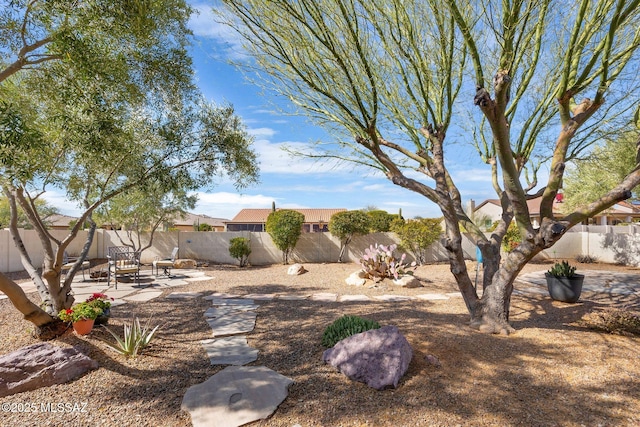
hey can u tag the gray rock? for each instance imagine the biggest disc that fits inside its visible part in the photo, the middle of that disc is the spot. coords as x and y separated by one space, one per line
235 396
296 270
378 358
407 281
356 279
41 365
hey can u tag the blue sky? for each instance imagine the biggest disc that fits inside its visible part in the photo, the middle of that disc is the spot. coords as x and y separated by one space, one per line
296 182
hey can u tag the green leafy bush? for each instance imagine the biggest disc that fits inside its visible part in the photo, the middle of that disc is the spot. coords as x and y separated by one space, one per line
512 238
240 249
135 339
346 326
346 225
285 227
417 235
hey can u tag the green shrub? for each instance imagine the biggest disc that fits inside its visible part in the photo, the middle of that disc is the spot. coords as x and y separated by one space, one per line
285 227
346 326
586 259
240 249
512 238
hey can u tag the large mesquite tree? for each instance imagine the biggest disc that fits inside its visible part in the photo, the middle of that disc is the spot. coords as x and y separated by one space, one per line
98 99
401 79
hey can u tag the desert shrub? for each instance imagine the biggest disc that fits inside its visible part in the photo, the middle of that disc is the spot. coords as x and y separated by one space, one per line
614 321
512 238
379 261
586 259
240 249
418 235
344 327
346 225
285 227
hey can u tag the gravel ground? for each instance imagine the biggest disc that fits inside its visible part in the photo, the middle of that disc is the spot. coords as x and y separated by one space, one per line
551 372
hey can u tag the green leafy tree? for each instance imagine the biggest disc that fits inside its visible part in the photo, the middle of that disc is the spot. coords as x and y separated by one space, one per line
285 227
45 211
205 227
99 100
417 235
585 180
137 213
240 249
380 221
346 225
397 80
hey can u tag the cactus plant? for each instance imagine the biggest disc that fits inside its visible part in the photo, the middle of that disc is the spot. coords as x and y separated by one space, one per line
379 262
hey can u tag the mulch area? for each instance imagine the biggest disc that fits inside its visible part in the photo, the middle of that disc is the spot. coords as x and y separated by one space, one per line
553 371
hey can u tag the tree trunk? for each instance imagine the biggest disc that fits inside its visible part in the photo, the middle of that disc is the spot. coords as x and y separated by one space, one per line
18 298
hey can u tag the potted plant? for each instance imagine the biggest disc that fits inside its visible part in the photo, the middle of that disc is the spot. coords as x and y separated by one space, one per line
82 316
564 283
102 302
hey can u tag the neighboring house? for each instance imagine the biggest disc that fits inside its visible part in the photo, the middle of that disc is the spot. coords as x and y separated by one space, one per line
60 222
315 220
490 210
192 222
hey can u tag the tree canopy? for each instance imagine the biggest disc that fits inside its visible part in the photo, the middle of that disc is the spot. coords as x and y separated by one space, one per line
348 224
285 227
528 84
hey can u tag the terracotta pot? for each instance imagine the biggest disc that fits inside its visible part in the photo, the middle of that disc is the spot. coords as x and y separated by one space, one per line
83 327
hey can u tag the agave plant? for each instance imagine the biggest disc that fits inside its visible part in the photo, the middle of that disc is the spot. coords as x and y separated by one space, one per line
135 339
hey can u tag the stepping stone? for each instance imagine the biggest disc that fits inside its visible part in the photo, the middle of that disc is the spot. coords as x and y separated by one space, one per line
346 298
393 298
221 311
431 297
235 396
197 279
218 295
293 297
144 296
327 297
237 322
229 351
231 301
184 295
261 297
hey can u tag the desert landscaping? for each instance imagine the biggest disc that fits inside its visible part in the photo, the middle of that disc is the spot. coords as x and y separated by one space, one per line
554 371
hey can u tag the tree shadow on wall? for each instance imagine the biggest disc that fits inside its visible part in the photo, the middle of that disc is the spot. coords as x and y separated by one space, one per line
625 247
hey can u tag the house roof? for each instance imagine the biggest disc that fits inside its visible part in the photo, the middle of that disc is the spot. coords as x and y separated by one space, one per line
259 216
192 218
620 208
58 220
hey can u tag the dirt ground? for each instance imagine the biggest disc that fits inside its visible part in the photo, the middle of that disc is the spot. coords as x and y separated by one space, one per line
552 371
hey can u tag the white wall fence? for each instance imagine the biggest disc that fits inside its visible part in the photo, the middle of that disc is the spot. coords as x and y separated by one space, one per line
613 244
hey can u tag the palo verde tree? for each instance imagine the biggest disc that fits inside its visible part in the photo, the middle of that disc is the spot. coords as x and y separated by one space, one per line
346 225
525 82
98 99
285 227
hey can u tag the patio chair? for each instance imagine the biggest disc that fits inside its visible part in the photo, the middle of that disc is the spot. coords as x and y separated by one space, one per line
123 260
166 264
68 262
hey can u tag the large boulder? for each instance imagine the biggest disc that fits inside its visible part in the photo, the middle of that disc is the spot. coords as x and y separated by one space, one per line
356 279
41 365
378 358
407 281
185 263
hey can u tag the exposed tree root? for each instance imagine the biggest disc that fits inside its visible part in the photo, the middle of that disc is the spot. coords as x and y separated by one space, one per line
491 326
50 330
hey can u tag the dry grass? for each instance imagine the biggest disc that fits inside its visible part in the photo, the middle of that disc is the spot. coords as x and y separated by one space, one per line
552 372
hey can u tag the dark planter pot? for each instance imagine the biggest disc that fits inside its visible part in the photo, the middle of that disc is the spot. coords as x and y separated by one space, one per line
103 319
565 289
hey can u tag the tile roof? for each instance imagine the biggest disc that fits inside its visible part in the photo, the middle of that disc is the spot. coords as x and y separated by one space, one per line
191 219
259 216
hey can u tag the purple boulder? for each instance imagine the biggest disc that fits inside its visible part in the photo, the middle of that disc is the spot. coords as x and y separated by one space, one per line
378 358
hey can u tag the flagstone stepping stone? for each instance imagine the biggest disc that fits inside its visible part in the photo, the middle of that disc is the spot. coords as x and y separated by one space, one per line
235 396
293 297
231 301
237 322
226 309
143 296
393 298
218 295
261 297
184 295
197 279
348 298
327 297
431 297
229 351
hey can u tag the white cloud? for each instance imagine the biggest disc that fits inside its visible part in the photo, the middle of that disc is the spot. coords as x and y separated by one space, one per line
227 205
261 132
59 200
205 24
